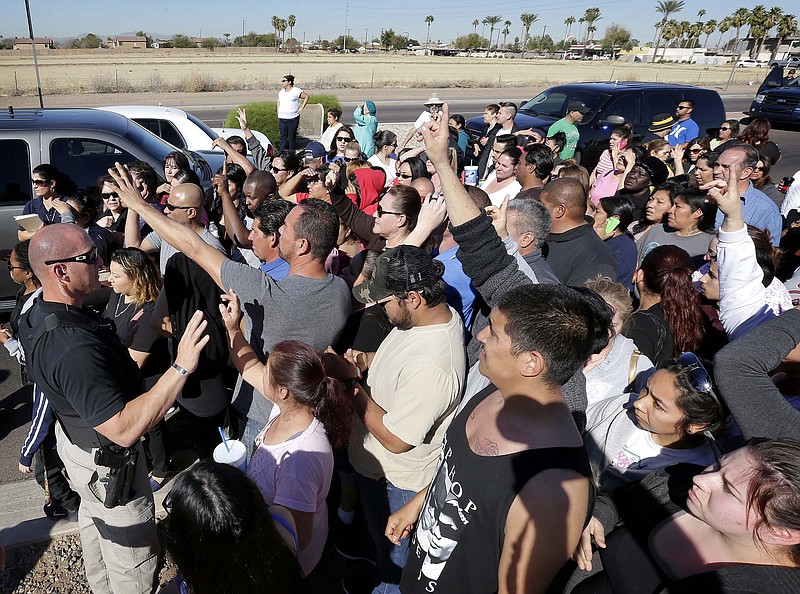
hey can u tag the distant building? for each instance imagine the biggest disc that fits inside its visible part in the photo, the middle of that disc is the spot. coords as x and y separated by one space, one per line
25 43
159 43
130 42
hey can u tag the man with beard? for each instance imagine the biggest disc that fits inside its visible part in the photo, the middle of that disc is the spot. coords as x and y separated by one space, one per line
414 387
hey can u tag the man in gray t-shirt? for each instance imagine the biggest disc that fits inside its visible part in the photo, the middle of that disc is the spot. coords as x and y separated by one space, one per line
309 304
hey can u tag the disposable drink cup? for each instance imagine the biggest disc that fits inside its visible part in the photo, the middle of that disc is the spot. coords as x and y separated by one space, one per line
236 457
471 175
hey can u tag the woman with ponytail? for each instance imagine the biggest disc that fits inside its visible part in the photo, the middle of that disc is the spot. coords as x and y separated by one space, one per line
292 463
669 320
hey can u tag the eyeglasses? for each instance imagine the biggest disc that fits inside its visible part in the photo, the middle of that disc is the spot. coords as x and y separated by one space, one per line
726 129
12 267
274 169
107 195
758 169
343 139
699 377
405 175
39 182
174 207
89 257
695 151
382 212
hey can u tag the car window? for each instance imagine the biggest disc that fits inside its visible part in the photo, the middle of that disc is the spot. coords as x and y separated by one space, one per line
658 103
626 106
200 124
86 159
163 129
553 102
15 171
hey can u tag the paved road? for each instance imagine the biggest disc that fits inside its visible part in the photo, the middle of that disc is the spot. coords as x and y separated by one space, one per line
14 402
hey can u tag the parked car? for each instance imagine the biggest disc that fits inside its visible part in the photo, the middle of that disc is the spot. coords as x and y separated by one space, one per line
83 143
778 98
750 63
611 104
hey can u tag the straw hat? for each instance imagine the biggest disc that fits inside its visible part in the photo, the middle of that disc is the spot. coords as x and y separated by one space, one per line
433 100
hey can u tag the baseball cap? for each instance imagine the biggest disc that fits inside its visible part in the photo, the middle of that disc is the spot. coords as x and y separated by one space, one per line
398 270
661 122
579 106
314 150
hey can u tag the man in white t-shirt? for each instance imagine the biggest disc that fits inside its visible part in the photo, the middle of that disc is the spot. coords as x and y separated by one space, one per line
415 383
289 109
434 105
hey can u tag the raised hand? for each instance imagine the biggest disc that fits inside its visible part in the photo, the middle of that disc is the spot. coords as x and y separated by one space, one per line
124 186
192 342
500 217
231 310
241 115
726 194
436 135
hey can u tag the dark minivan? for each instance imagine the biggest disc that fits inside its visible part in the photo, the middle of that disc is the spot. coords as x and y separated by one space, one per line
612 104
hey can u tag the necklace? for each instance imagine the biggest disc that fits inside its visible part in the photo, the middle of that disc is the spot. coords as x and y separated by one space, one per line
117 312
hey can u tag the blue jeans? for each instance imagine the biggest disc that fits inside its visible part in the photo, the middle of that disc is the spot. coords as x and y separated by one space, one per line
380 499
288 129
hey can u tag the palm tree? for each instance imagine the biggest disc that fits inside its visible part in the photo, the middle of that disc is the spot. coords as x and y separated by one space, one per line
708 28
483 31
275 28
569 21
759 27
527 18
282 27
684 31
700 14
670 31
666 8
738 20
724 27
227 37
475 24
492 21
580 28
786 26
291 20
591 15
694 33
428 21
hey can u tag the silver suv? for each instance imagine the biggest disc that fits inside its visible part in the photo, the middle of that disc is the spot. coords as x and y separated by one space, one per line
83 143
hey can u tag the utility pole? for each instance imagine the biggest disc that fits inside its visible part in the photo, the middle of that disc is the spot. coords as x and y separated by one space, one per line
366 38
344 39
33 48
242 27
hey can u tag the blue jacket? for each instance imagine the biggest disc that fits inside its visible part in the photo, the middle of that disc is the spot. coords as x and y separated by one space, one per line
366 126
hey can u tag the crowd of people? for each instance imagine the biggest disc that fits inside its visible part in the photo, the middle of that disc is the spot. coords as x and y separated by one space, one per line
553 380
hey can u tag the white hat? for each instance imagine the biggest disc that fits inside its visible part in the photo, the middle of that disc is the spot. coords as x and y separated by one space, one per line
433 100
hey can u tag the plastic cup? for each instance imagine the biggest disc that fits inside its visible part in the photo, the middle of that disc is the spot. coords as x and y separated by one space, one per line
471 175
237 456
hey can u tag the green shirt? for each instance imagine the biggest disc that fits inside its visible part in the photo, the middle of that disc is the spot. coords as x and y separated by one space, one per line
571 130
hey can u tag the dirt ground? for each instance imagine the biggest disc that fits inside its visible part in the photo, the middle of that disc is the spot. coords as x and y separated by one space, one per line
101 71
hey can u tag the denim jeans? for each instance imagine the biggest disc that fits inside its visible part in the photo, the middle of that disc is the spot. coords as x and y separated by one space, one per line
380 499
288 129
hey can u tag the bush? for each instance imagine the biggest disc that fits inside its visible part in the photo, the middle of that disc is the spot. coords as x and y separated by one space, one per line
263 116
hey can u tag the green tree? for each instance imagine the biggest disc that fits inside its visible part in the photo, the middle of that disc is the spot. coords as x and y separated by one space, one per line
738 20
275 20
210 43
149 40
475 24
666 8
617 36
90 41
527 18
255 40
724 27
428 21
506 31
492 21
352 43
469 42
591 16
708 28
786 26
282 24
181 40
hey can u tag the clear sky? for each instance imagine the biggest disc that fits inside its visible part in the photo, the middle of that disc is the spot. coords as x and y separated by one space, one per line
326 19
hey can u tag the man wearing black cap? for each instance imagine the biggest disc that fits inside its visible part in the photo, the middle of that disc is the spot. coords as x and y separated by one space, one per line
414 386
575 112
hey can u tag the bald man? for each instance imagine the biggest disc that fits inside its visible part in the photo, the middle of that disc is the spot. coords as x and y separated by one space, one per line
97 394
572 249
185 206
423 186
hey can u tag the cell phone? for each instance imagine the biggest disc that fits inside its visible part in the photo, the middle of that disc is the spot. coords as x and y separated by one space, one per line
622 144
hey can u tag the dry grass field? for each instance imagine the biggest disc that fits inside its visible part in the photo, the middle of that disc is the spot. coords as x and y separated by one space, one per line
192 71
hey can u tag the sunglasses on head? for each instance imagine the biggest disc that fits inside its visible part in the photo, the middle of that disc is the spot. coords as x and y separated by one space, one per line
699 377
89 257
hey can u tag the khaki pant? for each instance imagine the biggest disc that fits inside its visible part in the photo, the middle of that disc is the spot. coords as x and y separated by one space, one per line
120 545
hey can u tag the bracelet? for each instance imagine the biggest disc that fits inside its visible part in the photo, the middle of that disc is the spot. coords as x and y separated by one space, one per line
179 369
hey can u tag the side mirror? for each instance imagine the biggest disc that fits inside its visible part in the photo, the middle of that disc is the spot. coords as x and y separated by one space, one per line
772 84
613 120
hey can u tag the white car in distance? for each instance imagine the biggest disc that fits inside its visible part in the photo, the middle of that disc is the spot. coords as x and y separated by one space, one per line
179 127
750 63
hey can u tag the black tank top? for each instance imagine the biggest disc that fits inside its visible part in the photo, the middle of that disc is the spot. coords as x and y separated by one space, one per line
459 537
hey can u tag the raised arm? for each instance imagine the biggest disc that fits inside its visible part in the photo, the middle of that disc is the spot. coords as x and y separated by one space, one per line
234 156
742 370
243 357
179 236
356 219
234 225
